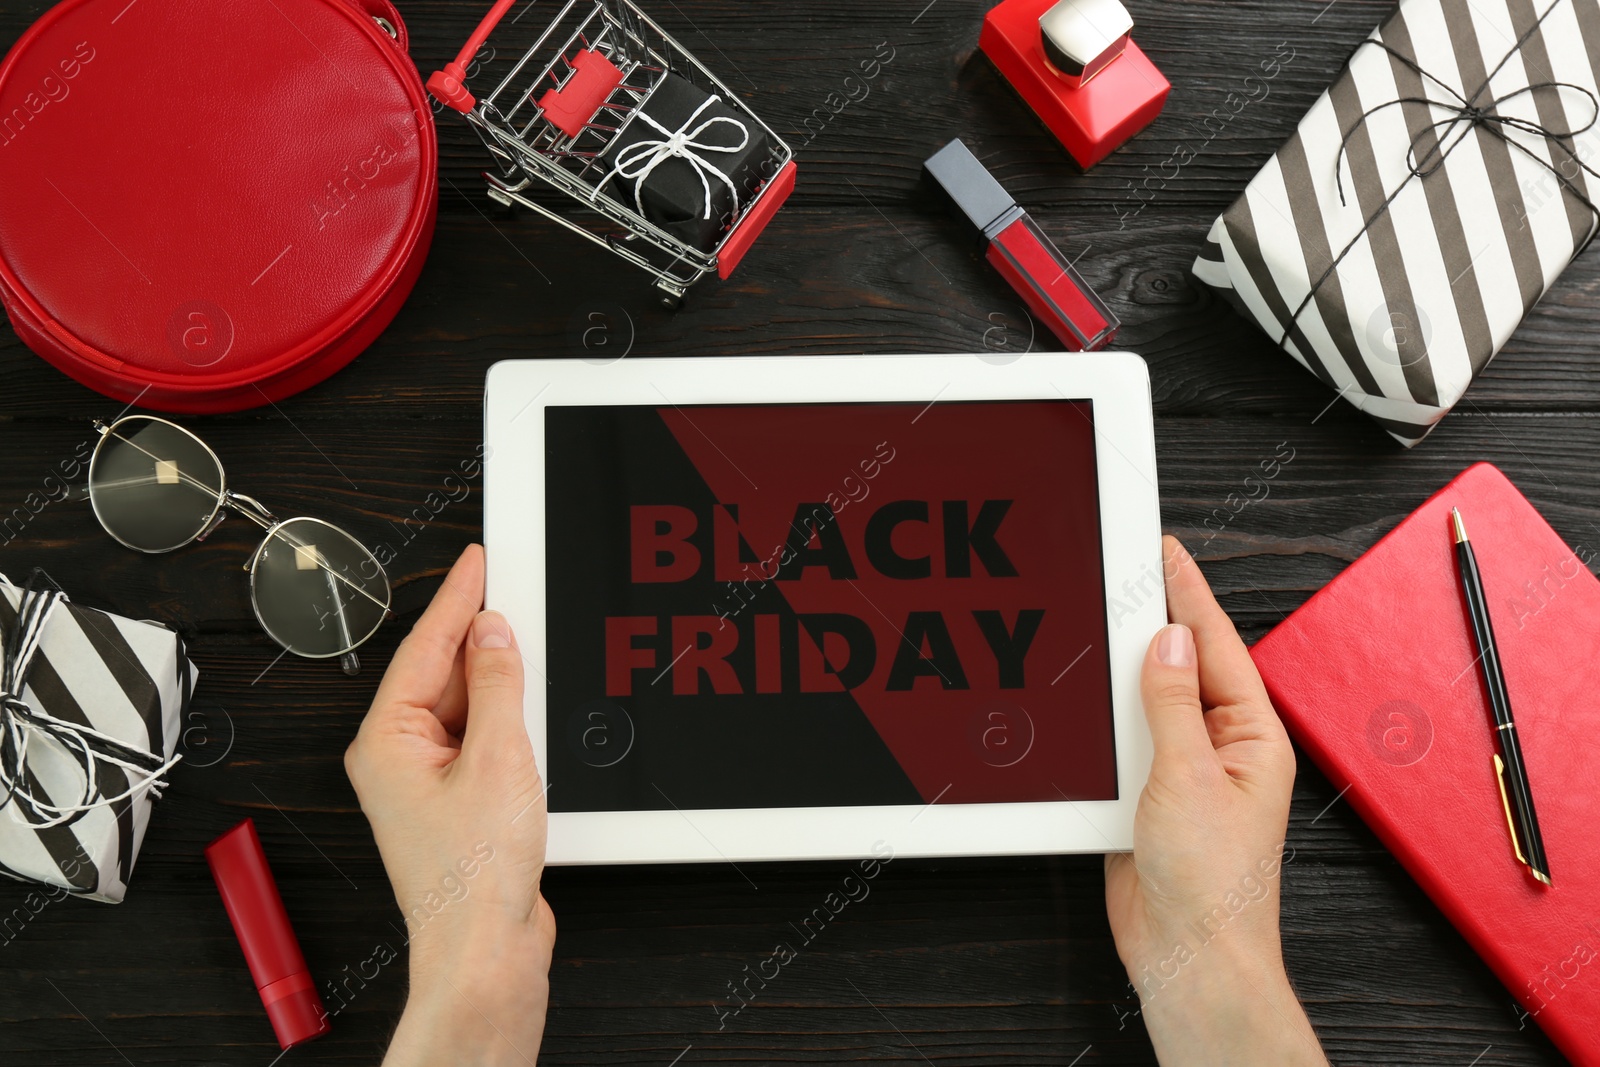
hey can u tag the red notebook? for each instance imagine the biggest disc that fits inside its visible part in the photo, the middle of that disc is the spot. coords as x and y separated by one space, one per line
1376 677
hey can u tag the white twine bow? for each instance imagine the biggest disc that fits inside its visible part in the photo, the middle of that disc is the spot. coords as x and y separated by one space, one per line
637 161
22 726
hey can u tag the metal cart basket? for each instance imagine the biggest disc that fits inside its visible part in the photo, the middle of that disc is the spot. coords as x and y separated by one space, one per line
562 102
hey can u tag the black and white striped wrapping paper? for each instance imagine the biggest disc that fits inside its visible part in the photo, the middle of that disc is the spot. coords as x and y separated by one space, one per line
1431 287
125 678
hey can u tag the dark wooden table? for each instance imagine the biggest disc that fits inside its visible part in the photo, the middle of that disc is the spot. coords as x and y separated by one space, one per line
966 962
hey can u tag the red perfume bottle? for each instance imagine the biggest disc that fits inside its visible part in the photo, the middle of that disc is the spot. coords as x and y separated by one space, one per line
1017 248
1074 63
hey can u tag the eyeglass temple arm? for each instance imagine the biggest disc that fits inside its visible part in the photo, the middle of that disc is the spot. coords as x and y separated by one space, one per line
349 662
85 491
79 492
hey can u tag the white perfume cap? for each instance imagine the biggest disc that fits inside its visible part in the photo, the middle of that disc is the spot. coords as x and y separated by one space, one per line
1076 33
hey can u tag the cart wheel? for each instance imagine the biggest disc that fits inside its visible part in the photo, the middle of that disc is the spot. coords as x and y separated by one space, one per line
671 301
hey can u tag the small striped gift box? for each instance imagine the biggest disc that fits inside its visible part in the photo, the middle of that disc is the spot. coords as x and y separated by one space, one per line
97 691
1426 202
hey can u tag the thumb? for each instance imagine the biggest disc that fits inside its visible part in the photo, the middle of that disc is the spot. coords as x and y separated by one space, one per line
1170 685
494 688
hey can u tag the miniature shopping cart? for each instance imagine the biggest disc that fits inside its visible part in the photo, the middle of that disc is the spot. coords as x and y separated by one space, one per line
561 101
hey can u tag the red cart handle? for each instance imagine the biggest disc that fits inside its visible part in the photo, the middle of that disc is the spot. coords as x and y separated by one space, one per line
449 84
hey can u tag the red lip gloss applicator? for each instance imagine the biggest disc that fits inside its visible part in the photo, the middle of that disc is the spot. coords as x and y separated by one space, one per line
1021 252
262 926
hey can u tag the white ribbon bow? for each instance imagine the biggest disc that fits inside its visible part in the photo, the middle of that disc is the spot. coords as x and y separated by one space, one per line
638 160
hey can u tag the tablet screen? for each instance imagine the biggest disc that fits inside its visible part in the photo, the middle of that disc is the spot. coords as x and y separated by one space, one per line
779 605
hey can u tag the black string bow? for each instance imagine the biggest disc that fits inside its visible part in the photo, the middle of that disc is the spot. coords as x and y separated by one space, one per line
1467 113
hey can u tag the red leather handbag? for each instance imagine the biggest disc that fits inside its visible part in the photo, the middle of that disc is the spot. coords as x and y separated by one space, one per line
206 205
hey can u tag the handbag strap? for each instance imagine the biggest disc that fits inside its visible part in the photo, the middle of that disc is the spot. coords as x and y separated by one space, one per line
388 18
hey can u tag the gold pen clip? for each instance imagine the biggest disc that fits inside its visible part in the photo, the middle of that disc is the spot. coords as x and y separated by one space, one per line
1505 802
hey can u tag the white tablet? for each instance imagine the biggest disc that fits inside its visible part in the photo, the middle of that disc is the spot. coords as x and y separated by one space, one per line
819 606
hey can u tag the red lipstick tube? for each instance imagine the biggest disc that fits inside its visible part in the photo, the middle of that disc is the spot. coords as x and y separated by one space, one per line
1021 252
262 926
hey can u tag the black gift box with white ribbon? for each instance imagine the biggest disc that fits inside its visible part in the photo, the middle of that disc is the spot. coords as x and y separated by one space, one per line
687 162
91 706
1427 201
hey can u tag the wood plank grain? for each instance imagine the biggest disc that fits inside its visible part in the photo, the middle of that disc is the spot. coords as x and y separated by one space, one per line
992 962
974 961
873 279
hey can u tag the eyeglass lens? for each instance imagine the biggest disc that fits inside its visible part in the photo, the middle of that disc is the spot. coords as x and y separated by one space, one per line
153 486
317 590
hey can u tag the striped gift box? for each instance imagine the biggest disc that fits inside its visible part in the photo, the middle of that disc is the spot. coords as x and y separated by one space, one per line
129 680
1425 204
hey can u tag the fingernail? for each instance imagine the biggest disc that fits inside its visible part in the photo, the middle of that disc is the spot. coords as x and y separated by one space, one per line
489 630
1175 646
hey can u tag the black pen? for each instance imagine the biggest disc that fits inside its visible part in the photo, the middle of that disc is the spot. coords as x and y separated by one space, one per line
1509 770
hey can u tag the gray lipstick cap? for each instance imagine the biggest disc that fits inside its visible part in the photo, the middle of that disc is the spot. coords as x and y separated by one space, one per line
969 183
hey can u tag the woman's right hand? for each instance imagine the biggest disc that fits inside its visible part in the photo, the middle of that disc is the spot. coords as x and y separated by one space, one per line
1194 907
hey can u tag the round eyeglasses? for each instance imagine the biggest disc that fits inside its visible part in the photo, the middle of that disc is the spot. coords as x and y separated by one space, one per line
315 589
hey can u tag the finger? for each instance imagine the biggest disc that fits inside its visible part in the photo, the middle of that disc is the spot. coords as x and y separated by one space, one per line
1227 673
419 674
494 689
1242 724
451 708
1170 685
